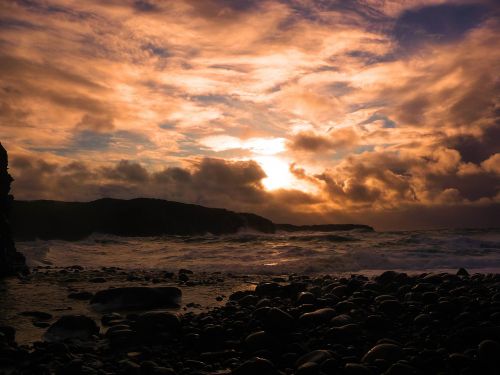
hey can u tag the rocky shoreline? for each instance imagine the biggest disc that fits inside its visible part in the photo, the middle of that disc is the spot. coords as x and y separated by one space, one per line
391 324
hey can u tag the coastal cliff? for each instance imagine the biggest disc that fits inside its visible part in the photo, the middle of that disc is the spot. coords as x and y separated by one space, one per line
11 262
135 217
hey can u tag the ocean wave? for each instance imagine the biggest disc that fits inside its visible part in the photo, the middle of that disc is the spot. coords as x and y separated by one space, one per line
278 253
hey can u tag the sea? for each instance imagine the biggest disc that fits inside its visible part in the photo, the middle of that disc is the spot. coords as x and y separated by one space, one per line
246 252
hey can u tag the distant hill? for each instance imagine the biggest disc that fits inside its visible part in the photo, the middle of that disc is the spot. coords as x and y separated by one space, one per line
136 217
46 219
322 227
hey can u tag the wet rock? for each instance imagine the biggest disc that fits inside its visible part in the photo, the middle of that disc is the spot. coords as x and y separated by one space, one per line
260 340
72 327
308 368
387 352
356 369
401 369
462 272
391 307
268 289
316 356
489 354
340 320
128 298
154 323
277 320
256 366
306 298
317 316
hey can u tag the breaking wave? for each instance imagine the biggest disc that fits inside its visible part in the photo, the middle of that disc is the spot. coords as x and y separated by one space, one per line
281 252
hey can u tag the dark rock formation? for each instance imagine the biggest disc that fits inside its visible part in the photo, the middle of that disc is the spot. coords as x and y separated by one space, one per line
135 217
11 262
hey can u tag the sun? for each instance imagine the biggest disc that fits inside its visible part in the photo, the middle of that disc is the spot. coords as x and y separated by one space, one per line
277 171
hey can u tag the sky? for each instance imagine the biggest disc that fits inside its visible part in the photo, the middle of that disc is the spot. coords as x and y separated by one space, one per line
379 112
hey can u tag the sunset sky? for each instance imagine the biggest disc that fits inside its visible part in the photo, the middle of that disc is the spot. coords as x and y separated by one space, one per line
368 111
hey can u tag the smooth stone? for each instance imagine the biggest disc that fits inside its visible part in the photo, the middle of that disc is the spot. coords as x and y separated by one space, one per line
346 333
385 297
401 369
387 352
318 316
277 320
308 368
356 369
340 291
391 307
256 366
72 327
462 272
489 353
306 298
316 356
260 340
249 300
157 322
459 361
341 320
268 289
128 298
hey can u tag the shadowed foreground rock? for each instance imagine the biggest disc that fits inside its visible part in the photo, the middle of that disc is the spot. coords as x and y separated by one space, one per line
11 262
394 324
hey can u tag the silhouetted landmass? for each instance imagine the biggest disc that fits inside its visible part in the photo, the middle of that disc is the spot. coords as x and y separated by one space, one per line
136 217
11 261
322 227
46 219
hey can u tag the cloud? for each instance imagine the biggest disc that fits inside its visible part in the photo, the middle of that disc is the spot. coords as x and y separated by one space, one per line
335 140
375 107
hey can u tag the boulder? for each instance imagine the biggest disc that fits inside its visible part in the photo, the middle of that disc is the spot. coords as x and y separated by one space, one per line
387 352
136 298
72 327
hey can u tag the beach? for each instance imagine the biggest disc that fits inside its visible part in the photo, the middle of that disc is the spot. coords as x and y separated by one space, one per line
63 319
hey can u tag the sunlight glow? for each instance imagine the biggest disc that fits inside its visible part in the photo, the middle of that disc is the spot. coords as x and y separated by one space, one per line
277 171
259 146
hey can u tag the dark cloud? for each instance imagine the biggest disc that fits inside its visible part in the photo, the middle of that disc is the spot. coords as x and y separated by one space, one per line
103 123
333 141
437 23
476 149
359 188
127 171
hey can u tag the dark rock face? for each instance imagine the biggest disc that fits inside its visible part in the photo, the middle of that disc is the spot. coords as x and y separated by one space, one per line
11 262
135 217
